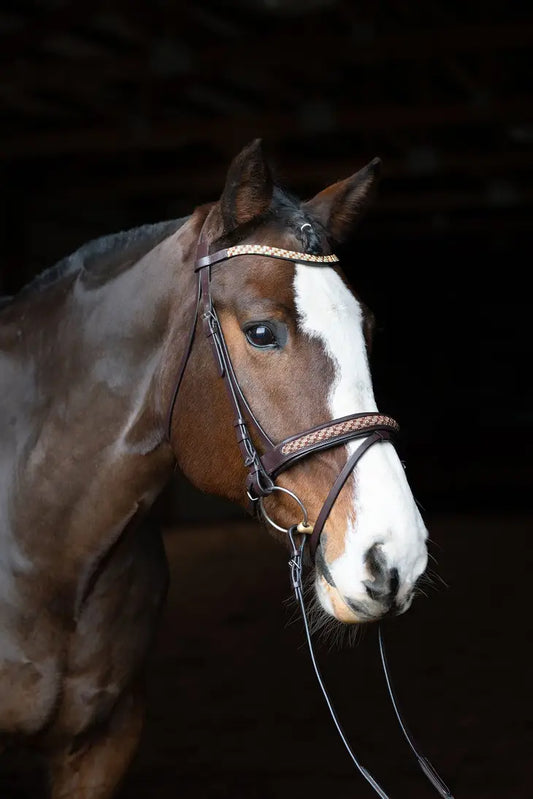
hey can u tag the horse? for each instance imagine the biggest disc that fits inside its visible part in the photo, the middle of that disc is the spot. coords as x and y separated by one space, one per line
108 383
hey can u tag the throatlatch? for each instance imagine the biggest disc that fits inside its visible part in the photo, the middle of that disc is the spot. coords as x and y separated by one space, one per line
263 468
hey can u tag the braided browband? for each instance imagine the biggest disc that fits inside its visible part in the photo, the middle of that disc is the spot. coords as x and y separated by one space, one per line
269 252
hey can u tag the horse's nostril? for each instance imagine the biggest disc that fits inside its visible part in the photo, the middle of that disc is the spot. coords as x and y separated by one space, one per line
385 587
394 583
375 563
383 582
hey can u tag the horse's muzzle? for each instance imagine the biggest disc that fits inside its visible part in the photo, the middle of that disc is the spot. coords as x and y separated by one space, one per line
375 597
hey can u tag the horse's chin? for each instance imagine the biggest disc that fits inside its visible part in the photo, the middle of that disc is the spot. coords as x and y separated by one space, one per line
357 610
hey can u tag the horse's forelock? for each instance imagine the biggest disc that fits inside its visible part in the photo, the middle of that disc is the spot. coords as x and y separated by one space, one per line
288 215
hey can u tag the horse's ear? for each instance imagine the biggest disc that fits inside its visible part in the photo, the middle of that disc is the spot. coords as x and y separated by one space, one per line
342 204
248 189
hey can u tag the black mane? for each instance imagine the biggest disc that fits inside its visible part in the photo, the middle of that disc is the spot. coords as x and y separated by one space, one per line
101 258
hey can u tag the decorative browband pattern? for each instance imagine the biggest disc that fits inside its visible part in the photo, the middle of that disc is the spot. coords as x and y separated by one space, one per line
263 249
277 252
338 429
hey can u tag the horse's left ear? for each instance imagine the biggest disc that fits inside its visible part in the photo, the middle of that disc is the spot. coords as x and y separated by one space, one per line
341 205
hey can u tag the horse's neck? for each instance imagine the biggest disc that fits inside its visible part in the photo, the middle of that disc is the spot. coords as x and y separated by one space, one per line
82 428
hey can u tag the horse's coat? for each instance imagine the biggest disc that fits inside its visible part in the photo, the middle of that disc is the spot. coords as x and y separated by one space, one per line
88 361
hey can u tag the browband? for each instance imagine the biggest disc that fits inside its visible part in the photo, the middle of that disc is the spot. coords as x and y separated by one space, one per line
269 252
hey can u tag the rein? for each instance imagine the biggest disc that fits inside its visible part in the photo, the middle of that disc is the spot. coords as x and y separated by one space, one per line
372 427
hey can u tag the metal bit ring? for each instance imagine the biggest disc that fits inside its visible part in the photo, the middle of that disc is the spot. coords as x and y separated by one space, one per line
303 527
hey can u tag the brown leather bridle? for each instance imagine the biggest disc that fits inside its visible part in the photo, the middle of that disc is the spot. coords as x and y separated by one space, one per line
264 468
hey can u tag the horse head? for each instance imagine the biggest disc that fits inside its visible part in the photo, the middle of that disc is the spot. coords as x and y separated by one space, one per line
298 339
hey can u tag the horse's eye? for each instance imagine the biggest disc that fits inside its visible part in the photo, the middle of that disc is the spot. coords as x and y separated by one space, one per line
261 335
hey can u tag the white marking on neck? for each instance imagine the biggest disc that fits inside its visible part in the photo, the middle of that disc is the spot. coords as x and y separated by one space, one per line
384 511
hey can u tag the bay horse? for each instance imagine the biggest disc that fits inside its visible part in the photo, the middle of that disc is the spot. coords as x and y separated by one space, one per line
104 388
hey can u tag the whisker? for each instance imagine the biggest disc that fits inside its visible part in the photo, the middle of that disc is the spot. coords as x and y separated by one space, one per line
434 544
418 503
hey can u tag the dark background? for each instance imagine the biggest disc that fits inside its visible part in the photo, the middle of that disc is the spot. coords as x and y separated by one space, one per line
120 113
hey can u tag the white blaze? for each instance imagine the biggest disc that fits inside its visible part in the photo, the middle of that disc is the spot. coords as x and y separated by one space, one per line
384 511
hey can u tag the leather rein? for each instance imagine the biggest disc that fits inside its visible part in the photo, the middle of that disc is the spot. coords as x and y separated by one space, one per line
263 469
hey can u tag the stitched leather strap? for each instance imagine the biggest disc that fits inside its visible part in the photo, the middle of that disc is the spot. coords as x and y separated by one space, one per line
324 436
378 435
201 248
258 481
267 252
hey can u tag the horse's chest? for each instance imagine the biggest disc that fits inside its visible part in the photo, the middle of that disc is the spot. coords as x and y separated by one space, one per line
113 633
30 680
63 680
37 693
64 671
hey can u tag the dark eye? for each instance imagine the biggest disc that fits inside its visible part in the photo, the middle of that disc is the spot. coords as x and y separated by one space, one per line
261 335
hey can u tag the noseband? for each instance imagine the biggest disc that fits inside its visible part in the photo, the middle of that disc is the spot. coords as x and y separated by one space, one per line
275 458
263 469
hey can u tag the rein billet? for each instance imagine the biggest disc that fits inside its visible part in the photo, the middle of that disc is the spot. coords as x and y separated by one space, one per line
263 469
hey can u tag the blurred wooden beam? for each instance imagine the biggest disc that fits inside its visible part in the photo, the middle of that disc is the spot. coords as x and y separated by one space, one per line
273 50
314 175
43 24
224 131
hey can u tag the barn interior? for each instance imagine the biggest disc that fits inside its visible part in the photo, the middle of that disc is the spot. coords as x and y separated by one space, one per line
116 114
